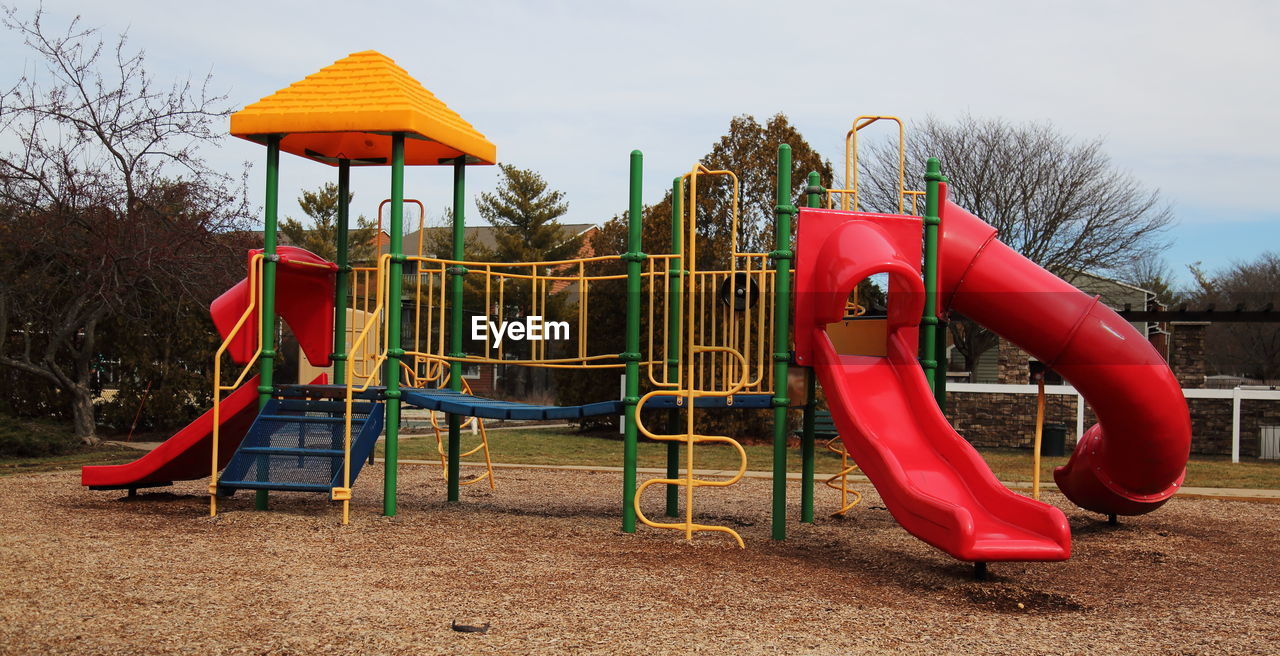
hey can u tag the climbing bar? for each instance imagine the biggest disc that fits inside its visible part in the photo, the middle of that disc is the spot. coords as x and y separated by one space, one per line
840 481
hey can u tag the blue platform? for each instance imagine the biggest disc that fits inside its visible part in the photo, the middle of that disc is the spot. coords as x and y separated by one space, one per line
445 400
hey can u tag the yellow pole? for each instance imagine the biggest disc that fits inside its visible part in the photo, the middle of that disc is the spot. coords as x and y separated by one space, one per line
1035 448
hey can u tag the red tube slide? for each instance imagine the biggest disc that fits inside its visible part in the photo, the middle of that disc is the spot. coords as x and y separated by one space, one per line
931 479
1135 458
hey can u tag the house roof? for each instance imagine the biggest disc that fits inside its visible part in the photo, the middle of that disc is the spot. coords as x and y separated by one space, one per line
349 110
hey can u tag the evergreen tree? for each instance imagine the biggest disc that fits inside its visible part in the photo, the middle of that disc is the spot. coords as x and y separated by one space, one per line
526 214
321 235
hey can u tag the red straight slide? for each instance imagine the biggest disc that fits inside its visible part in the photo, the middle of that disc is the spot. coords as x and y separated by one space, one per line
932 480
185 456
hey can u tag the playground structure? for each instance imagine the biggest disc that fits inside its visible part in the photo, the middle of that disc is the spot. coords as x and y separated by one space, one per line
699 352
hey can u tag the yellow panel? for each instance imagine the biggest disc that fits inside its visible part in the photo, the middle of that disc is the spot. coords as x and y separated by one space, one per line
859 337
349 109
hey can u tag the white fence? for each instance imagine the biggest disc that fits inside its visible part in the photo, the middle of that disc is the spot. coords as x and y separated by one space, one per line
1235 395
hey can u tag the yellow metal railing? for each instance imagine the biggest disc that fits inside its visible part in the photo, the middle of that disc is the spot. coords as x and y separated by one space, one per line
254 283
849 195
366 369
518 290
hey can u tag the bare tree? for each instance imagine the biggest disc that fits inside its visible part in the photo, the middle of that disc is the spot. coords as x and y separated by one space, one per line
1152 273
106 207
1058 200
1251 350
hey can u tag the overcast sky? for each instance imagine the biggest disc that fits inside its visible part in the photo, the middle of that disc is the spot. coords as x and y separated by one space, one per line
1184 93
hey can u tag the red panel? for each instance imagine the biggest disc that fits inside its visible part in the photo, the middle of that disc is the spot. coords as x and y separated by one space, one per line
304 300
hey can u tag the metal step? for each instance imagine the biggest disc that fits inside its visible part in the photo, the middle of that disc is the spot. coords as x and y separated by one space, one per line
308 419
268 485
286 451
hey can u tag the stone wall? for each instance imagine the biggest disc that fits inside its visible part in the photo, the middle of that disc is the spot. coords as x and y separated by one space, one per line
1186 353
1009 420
1012 364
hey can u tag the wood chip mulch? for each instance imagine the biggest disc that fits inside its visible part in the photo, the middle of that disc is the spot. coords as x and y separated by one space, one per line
542 566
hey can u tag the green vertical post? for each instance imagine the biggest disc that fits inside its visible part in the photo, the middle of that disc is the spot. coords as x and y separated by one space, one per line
455 322
940 390
631 357
391 377
782 256
813 198
343 287
675 289
266 368
929 322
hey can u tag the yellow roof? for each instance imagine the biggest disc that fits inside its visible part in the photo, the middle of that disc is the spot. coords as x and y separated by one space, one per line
349 109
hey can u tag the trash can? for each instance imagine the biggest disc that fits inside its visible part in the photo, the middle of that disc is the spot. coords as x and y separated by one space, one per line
1053 440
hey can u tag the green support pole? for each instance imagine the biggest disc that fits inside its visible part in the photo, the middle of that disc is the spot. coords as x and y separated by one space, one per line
782 256
343 287
266 368
633 257
675 288
813 198
940 390
455 323
391 377
929 322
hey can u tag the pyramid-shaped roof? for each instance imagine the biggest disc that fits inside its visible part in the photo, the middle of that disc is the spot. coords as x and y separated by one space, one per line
349 109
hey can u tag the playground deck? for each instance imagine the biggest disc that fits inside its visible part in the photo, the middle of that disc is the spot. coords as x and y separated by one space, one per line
542 560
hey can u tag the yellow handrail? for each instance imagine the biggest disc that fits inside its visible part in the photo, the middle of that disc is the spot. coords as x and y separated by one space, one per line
343 493
254 283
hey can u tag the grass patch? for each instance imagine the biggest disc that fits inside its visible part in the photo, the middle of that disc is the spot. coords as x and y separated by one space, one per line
40 445
102 454
21 438
556 447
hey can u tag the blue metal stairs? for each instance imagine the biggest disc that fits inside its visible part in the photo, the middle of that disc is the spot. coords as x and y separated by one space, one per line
296 445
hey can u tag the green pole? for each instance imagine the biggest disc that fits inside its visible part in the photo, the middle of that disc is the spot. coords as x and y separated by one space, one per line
813 198
782 256
940 390
631 357
266 368
343 288
455 322
391 377
929 322
675 280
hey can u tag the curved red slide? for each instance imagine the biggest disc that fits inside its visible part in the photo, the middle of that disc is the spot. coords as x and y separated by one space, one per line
185 456
931 479
1135 458
304 300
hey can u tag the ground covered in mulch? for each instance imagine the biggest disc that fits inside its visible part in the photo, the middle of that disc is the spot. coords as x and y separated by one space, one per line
542 562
